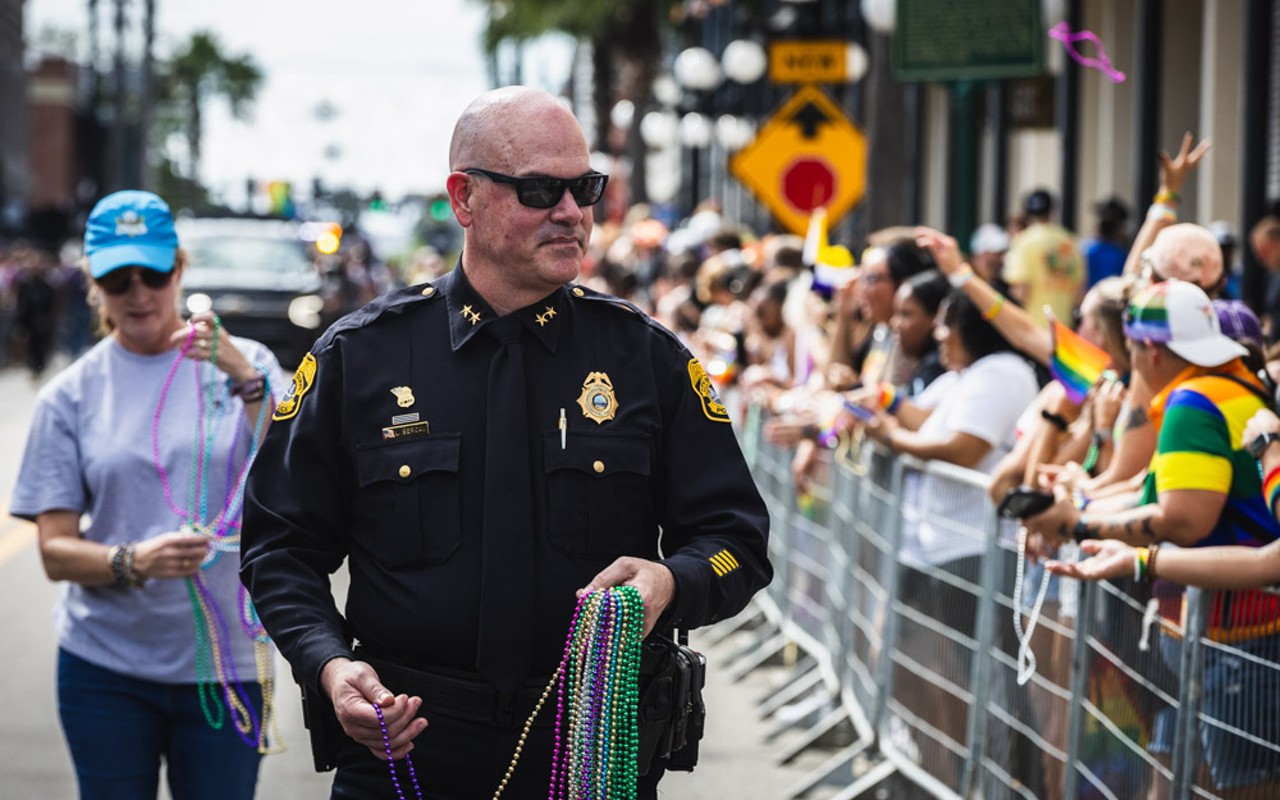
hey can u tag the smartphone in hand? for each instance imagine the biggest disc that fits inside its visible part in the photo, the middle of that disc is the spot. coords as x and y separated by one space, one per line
1021 502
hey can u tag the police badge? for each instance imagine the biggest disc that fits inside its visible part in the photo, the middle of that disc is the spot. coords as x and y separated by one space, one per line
597 400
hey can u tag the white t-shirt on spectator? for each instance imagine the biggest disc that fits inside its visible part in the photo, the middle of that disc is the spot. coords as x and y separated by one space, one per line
945 520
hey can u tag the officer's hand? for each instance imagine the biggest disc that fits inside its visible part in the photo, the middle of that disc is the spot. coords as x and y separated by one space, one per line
656 584
353 687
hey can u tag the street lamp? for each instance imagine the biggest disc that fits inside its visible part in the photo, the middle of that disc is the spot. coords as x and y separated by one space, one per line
698 72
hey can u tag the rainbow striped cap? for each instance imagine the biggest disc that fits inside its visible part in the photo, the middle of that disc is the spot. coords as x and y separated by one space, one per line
1180 316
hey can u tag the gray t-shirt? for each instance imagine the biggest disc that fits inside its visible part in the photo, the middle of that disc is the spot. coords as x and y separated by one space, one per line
91 449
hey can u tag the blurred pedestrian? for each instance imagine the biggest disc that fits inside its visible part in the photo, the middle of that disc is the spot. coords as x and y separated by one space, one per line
132 473
35 310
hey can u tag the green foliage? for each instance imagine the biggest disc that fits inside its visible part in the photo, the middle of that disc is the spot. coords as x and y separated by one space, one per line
594 20
201 70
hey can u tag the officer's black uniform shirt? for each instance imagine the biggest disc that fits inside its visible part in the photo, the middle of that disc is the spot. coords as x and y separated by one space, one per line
376 455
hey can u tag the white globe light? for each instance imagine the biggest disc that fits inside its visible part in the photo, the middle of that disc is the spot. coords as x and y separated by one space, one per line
855 63
695 130
697 69
622 114
659 129
744 61
733 133
880 15
665 90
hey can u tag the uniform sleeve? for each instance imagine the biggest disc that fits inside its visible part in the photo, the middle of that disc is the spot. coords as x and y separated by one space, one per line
295 502
714 523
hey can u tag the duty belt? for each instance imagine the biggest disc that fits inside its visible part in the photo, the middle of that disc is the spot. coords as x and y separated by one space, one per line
471 700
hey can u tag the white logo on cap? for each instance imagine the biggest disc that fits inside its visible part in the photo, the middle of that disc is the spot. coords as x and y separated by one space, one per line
130 223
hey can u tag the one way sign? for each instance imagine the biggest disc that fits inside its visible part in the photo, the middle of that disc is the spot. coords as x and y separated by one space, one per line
807 155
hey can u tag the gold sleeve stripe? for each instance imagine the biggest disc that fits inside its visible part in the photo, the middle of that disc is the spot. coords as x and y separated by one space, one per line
723 563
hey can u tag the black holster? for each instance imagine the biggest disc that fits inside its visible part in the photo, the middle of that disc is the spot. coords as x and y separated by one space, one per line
323 727
672 714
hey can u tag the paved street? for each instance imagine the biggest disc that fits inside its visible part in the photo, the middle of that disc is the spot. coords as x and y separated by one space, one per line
736 762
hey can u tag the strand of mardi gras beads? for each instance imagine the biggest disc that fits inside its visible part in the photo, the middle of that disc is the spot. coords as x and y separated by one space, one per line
598 694
596 743
215 665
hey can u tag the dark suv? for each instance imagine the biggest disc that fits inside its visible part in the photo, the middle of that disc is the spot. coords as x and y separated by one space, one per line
259 278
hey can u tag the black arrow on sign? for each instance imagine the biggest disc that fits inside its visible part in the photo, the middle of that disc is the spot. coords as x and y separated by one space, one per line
809 118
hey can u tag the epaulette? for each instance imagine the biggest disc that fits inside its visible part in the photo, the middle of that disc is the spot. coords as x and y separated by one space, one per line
591 295
393 301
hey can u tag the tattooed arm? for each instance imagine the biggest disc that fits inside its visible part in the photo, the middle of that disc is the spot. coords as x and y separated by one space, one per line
1184 517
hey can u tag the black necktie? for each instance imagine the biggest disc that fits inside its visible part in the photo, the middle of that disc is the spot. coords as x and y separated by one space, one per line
507 583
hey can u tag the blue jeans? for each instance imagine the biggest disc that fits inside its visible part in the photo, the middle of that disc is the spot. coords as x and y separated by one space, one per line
119 727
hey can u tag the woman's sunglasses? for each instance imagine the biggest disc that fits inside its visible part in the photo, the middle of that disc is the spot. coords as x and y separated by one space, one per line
118 281
544 192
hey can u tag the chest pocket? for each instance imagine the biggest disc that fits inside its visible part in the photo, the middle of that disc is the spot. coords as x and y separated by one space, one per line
409 507
598 495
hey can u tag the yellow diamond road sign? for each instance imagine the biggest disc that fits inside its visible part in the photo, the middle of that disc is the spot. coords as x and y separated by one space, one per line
807 155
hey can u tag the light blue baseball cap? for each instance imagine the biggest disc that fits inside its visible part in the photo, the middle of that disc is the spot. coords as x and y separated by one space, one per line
130 228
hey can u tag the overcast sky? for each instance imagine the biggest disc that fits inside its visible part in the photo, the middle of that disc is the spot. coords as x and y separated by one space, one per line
397 73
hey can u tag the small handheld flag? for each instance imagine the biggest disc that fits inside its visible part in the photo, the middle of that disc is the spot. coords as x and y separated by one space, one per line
1076 363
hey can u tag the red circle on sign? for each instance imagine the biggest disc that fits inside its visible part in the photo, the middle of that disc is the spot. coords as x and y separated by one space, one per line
808 183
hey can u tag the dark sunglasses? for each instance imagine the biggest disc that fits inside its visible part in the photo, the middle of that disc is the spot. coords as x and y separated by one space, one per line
118 281
544 192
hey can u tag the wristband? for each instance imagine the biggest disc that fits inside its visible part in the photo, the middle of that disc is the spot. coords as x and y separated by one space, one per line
1139 564
960 277
1058 421
253 386
1271 488
1165 197
1150 571
994 308
890 400
1081 531
1160 211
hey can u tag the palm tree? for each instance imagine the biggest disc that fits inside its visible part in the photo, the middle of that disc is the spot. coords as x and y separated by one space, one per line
625 38
198 73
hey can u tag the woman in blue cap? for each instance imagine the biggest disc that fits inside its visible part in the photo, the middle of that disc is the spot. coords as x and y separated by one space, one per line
133 473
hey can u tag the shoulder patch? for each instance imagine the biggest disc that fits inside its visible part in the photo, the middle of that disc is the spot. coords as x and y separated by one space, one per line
712 406
303 379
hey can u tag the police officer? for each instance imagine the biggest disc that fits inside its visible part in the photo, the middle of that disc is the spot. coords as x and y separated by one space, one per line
481 450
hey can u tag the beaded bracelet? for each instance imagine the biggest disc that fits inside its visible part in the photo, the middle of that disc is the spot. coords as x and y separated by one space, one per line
130 572
116 559
1152 551
122 568
991 312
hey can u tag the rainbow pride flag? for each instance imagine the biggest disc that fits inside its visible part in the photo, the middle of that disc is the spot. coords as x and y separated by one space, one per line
1076 363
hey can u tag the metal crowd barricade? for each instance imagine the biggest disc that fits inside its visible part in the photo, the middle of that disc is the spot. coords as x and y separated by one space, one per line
970 676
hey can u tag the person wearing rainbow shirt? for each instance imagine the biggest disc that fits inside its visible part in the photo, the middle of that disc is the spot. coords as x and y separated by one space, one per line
1203 488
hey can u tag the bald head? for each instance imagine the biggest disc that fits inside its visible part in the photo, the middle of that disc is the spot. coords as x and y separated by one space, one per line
496 124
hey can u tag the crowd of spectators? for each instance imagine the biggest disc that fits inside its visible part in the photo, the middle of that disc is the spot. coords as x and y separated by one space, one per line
948 356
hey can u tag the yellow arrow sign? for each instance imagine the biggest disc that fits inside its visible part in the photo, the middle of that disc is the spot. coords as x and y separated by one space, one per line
808 154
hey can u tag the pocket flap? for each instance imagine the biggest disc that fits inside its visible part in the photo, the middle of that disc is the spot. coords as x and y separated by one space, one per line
598 454
406 461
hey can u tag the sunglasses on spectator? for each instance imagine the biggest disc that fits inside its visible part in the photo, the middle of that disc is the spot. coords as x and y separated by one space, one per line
545 192
118 281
